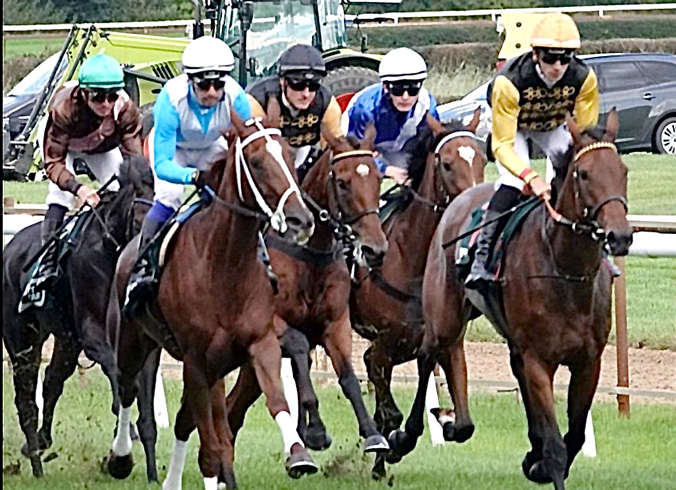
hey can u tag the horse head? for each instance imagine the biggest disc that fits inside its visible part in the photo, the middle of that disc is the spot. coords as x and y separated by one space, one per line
263 177
354 194
454 158
595 187
123 211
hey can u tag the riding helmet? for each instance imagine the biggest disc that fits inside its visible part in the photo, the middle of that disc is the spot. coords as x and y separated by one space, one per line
402 64
301 60
556 31
208 57
101 71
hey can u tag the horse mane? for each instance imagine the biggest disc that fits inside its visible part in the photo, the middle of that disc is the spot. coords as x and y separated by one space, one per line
419 147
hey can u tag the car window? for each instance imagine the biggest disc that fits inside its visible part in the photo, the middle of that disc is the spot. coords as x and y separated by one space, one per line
36 80
621 76
658 71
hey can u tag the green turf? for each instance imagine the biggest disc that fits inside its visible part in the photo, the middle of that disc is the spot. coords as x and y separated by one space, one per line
637 453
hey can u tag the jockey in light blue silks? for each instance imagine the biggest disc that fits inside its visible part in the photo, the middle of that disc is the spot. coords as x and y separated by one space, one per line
191 114
397 106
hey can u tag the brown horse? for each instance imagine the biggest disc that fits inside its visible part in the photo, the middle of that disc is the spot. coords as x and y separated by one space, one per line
552 304
215 306
382 299
314 285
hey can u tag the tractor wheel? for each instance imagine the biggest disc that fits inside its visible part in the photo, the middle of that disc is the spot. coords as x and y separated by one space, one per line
350 79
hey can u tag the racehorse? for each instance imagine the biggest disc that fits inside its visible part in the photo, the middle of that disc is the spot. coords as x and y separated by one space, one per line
343 189
77 320
552 303
385 299
214 307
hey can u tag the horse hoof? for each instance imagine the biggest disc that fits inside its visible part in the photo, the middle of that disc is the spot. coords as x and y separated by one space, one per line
376 444
317 440
378 471
119 467
457 434
535 472
300 464
36 466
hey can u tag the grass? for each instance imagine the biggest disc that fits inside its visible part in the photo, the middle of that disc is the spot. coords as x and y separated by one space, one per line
651 282
636 453
451 84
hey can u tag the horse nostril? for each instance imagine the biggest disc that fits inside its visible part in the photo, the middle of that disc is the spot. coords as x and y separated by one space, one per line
374 257
294 222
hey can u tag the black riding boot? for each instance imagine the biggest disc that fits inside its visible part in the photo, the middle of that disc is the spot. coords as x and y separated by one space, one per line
145 278
48 269
478 271
265 258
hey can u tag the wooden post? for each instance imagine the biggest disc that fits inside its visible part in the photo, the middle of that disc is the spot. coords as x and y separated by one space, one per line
621 335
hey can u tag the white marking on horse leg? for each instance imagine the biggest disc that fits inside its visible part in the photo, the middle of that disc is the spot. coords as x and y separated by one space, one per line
589 446
161 412
289 434
122 442
290 390
363 170
211 483
432 401
174 477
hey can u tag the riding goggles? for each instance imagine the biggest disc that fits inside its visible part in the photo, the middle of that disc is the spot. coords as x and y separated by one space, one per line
299 85
551 57
100 96
398 88
206 84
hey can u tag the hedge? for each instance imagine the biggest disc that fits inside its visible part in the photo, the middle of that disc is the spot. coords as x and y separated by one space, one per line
483 31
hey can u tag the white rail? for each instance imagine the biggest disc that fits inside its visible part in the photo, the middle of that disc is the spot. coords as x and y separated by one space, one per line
395 17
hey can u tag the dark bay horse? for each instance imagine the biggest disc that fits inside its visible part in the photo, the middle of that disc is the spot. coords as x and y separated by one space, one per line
78 320
552 304
343 188
215 306
449 161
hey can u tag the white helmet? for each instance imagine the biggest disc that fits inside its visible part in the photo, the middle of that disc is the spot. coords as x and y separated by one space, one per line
208 56
402 64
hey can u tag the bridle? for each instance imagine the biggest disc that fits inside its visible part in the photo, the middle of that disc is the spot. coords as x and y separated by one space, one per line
589 226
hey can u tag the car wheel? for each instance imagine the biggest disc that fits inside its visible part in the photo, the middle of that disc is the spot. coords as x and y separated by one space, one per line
665 136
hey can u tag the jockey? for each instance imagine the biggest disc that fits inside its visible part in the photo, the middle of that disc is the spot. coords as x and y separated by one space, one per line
531 97
307 107
91 119
397 106
191 114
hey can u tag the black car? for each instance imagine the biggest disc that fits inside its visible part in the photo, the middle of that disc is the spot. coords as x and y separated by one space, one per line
642 86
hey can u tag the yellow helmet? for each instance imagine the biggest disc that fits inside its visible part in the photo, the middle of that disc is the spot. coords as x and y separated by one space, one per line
555 31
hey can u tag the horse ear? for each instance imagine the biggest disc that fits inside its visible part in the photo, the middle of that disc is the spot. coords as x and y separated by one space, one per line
474 123
436 127
369 141
274 113
612 126
574 130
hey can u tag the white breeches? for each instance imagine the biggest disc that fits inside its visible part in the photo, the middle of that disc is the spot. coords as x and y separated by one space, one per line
550 142
171 195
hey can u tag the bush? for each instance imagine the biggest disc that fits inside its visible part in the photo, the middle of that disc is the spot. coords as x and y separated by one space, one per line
16 68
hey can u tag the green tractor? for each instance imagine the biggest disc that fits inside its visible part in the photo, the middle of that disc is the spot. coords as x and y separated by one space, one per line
257 31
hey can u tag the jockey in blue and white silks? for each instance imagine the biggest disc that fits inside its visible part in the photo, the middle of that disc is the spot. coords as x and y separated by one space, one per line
191 114
396 106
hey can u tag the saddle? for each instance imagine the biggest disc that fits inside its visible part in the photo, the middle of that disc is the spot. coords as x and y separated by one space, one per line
35 295
464 254
393 201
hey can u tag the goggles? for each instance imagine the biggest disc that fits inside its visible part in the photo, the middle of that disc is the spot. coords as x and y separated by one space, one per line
398 88
300 84
551 57
206 84
100 96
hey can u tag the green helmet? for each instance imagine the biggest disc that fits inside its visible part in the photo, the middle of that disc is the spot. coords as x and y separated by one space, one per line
101 71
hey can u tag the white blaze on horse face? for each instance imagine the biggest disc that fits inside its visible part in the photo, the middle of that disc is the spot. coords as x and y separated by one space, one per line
363 170
467 153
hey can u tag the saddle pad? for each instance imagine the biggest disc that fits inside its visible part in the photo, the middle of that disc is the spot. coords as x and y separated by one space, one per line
157 251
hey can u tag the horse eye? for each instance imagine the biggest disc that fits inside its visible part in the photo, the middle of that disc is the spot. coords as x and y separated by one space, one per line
584 175
447 166
256 162
342 185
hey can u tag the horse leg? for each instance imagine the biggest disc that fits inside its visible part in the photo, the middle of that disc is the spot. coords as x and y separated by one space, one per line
337 340
245 392
583 382
183 427
379 366
452 360
547 462
147 427
60 368
403 442
266 357
25 366
311 428
220 415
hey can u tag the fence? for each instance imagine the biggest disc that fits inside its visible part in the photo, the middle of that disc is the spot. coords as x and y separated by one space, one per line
394 17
